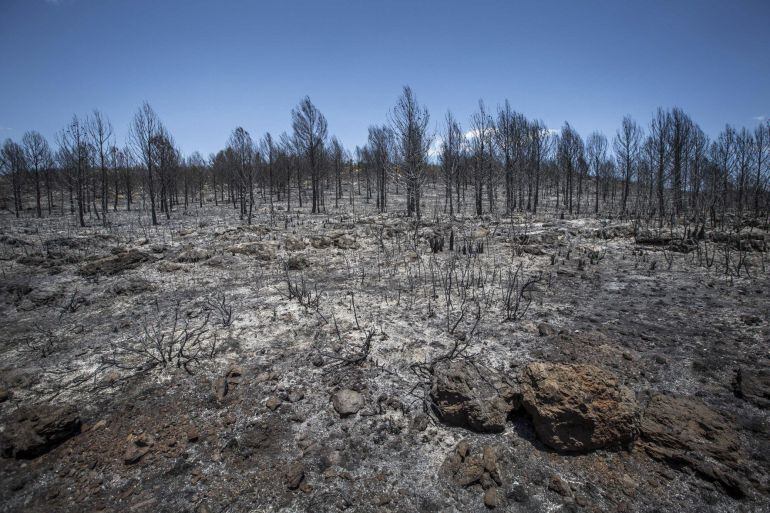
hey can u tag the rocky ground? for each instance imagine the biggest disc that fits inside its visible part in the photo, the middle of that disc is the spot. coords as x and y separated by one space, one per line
335 362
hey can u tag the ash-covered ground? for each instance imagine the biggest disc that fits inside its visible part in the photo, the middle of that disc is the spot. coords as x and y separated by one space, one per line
336 362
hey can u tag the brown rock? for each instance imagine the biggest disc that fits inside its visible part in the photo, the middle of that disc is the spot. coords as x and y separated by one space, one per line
464 468
468 397
294 244
546 330
264 251
753 385
192 434
137 447
273 403
490 498
31 432
559 485
684 431
462 448
489 459
294 475
227 384
578 407
115 264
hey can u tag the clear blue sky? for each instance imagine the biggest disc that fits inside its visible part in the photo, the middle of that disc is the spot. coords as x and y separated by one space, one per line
207 67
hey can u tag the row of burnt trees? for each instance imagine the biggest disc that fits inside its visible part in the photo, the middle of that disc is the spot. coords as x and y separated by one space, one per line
672 171
503 162
89 173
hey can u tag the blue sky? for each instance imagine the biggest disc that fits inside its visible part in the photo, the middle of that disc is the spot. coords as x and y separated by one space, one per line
207 67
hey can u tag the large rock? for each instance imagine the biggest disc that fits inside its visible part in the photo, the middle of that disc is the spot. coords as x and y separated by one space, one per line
260 250
685 432
753 385
31 432
345 241
115 264
578 407
131 286
465 395
347 402
294 244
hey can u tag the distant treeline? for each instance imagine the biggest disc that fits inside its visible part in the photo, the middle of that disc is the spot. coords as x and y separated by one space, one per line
500 163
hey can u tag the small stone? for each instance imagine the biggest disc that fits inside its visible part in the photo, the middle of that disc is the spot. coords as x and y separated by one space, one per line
490 498
273 403
192 434
347 402
628 485
382 499
420 423
4 395
518 493
318 361
463 448
296 395
546 330
558 485
138 446
295 474
489 459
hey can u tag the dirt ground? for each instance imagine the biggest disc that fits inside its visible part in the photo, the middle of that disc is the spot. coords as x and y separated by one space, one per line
253 418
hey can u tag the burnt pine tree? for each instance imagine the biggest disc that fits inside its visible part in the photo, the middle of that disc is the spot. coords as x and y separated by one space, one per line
310 131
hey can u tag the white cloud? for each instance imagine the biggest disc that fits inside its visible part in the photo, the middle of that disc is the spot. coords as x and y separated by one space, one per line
435 147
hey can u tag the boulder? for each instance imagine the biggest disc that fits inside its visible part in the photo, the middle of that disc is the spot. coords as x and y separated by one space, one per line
753 385
191 255
653 238
294 244
32 432
347 402
115 264
294 475
260 250
546 330
467 396
345 241
320 241
131 286
578 408
685 432
296 263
